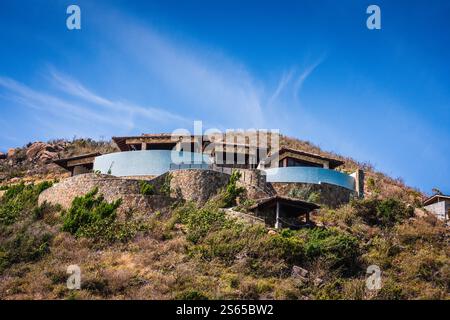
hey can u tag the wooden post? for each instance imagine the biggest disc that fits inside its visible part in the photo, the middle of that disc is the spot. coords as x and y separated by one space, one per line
277 217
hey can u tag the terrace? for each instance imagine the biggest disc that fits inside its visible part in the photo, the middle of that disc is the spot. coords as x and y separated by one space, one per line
155 154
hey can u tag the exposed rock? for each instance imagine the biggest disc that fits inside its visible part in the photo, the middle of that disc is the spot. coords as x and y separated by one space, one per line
2 155
272 232
318 282
299 273
47 156
418 212
42 152
11 152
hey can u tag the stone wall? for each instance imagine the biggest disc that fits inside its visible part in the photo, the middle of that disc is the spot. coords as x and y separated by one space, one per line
199 185
112 189
329 194
193 184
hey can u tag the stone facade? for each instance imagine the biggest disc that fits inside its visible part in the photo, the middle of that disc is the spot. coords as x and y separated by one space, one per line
329 194
112 189
193 184
199 185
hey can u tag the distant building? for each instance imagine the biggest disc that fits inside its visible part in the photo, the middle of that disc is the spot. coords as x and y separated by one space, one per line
439 205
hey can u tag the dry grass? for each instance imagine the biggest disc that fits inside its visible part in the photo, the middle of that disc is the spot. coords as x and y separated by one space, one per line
236 262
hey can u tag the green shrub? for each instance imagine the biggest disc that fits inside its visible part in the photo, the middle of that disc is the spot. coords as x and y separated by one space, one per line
38 211
232 191
391 211
371 184
20 199
298 193
87 210
165 188
385 212
305 193
200 221
338 249
290 245
91 216
314 197
146 188
245 205
224 244
24 247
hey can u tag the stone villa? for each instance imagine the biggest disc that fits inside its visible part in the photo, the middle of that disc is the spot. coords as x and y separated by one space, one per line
199 166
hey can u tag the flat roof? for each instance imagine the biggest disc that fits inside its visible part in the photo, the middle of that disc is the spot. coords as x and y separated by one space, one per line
123 146
121 142
63 162
268 202
334 163
435 198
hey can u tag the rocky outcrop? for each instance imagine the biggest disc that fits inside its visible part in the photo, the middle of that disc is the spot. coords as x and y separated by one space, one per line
11 153
41 152
2 155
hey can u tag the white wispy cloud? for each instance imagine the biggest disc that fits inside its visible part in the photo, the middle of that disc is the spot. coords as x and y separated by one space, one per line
44 102
211 84
76 89
201 84
303 76
284 81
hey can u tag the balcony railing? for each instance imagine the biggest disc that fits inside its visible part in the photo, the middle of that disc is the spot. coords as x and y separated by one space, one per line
310 175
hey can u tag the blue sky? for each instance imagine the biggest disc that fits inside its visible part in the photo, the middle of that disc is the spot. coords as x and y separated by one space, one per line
309 68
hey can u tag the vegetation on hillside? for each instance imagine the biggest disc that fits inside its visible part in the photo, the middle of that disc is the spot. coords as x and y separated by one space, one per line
199 252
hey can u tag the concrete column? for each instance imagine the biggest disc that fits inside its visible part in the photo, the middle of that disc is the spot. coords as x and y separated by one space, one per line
144 146
358 175
277 217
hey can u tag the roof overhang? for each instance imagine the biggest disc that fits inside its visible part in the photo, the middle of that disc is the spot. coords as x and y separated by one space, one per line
333 163
436 198
84 159
293 202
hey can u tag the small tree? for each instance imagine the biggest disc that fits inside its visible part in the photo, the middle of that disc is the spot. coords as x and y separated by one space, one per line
232 191
146 188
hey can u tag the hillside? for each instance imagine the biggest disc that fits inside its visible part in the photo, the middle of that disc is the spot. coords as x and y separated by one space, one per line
199 252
